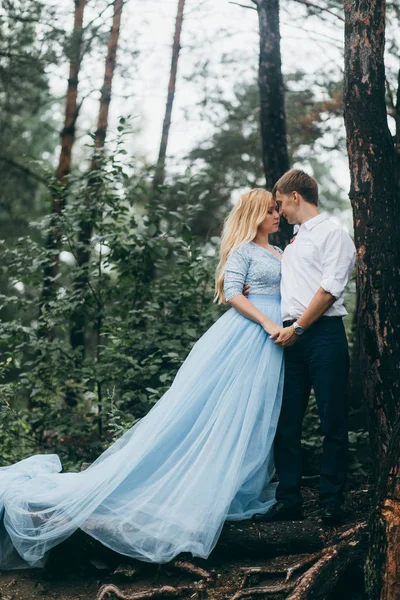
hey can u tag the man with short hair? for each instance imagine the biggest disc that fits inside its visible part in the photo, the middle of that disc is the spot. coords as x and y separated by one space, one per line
316 266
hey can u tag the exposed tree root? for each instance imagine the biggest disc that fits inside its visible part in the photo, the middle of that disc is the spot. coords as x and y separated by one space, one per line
322 570
165 591
276 572
279 588
320 578
194 570
300 565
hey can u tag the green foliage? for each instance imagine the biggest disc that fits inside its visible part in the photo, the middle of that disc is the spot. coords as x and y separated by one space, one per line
28 128
148 298
230 160
148 283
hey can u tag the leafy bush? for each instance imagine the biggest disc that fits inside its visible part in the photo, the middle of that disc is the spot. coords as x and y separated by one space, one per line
146 298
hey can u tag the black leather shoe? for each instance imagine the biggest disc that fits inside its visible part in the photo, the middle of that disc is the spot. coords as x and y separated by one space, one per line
331 513
281 512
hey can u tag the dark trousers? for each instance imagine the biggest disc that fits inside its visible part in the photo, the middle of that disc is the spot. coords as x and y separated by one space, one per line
320 360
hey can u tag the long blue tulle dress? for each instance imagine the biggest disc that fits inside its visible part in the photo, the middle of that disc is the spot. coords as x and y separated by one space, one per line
202 455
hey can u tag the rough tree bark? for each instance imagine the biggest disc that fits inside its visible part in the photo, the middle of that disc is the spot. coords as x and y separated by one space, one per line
53 241
376 213
71 107
376 226
77 331
275 153
160 166
110 64
382 567
356 392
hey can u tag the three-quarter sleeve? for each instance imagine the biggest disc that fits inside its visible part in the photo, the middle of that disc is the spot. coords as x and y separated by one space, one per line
338 258
235 274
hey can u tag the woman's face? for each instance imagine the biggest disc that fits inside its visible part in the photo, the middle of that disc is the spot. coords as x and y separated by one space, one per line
271 221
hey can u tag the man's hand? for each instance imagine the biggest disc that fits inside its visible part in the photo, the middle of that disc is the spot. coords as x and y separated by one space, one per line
246 289
273 330
287 337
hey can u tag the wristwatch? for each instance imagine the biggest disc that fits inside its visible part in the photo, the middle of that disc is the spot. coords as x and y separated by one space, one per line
298 329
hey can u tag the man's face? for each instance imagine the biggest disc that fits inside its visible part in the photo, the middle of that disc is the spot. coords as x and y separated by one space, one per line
288 206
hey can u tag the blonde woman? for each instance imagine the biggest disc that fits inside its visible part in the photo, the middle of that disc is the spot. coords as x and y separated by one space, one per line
201 456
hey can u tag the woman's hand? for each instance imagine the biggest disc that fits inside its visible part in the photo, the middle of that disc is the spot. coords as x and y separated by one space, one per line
272 328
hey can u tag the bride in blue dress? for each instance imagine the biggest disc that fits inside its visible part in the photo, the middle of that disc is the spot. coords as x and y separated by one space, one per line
201 456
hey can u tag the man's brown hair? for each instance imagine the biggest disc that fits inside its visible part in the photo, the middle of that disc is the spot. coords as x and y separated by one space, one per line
298 181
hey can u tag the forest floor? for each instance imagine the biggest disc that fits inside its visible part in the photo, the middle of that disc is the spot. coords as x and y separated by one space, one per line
78 568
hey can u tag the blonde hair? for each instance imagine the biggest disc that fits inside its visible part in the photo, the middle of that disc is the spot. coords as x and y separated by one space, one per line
240 227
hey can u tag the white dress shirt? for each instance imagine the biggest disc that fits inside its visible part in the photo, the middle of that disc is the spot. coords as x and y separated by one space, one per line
322 255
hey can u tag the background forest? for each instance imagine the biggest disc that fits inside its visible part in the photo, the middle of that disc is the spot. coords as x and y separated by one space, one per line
128 131
108 252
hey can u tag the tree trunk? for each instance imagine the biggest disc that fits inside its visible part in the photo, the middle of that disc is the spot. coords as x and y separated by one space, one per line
53 242
397 136
382 567
376 214
160 166
71 107
272 103
108 76
376 227
77 331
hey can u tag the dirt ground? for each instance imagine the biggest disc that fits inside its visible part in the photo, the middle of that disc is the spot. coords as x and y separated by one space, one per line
78 568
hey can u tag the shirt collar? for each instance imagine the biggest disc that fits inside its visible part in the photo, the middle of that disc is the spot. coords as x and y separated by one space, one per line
314 221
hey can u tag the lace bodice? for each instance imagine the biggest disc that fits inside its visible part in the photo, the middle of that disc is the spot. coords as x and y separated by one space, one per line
256 266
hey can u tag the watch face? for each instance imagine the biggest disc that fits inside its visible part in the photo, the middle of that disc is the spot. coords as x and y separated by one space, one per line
298 329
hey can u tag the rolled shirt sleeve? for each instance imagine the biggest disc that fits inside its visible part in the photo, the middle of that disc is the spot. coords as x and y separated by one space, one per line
235 274
338 257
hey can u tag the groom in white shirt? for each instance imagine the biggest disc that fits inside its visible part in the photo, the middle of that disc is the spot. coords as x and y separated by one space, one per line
316 266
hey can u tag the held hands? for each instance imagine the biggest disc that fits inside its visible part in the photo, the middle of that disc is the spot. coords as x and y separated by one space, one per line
285 337
271 328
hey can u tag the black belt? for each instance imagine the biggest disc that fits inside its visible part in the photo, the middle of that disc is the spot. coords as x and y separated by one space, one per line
289 323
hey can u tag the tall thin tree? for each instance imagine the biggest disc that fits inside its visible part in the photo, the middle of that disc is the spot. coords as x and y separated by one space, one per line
376 205
67 140
77 331
275 153
110 65
176 47
71 105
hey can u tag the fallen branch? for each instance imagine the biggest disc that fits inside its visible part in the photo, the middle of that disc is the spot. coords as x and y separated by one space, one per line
166 591
271 539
